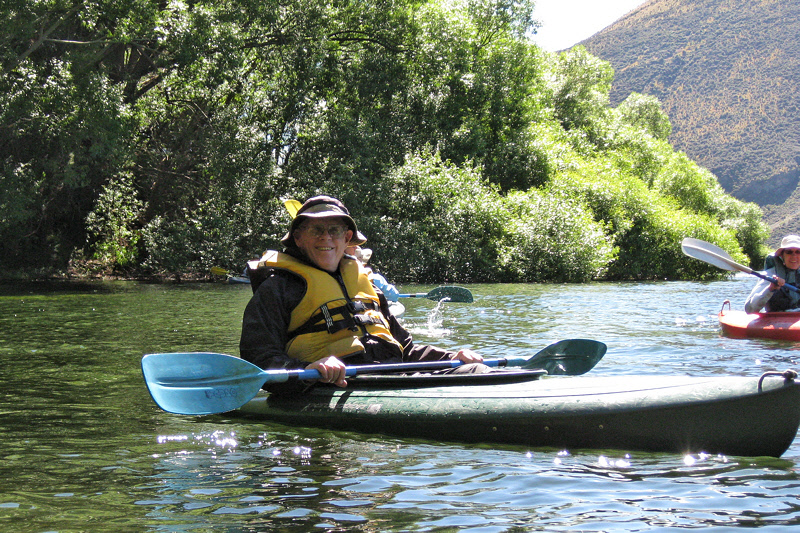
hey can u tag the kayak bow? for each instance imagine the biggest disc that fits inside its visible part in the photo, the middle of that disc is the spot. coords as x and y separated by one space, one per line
783 325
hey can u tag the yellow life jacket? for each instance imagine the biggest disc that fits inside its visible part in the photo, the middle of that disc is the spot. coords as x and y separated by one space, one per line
328 321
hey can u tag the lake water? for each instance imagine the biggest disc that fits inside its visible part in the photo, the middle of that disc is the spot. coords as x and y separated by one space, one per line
84 448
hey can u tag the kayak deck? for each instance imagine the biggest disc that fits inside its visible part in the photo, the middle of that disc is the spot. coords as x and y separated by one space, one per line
776 325
727 415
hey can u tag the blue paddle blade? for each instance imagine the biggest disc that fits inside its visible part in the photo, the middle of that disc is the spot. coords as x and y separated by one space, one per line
203 383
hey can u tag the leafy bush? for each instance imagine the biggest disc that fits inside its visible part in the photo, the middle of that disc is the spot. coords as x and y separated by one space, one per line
170 244
643 226
644 112
551 238
437 223
442 223
112 225
233 226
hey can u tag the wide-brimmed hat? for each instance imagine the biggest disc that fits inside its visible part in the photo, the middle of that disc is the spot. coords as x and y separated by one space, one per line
790 241
323 207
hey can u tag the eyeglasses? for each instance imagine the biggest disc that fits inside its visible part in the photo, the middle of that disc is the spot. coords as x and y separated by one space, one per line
336 232
791 252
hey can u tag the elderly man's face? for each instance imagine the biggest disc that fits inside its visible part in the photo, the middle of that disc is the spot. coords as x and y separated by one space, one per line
323 241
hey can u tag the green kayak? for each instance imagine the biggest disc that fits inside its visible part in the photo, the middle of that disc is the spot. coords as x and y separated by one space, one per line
746 416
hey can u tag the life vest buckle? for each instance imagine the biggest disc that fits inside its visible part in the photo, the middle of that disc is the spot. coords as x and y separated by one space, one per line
356 306
365 320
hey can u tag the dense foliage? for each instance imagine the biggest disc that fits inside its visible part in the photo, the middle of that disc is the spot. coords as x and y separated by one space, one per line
162 138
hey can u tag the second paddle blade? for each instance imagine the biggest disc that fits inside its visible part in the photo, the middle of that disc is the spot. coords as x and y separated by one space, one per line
451 293
570 357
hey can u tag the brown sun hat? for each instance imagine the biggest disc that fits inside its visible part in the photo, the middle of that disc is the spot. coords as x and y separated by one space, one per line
323 207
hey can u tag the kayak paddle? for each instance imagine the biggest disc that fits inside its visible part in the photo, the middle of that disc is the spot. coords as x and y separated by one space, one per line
218 271
292 206
714 255
209 383
450 293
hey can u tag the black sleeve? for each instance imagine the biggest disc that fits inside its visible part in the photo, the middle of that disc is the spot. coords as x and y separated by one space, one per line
266 321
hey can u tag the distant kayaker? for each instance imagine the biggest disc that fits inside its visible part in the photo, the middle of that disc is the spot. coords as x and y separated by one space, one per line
364 255
772 295
314 307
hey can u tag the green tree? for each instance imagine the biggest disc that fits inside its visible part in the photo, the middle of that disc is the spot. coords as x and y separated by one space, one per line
580 89
112 224
163 136
644 112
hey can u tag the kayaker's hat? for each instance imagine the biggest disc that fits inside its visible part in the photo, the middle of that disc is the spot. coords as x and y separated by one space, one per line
323 207
790 241
358 239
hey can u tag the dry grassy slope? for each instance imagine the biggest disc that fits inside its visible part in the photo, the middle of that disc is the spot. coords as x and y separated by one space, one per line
728 74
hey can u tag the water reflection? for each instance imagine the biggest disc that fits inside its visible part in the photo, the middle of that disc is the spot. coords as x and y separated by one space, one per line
85 448
432 486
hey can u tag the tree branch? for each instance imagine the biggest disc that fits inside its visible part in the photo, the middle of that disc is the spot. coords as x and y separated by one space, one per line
44 36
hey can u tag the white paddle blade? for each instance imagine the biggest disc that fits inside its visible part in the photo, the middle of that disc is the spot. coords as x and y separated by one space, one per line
711 254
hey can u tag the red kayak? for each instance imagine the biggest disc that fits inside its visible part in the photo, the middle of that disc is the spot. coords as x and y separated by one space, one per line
739 324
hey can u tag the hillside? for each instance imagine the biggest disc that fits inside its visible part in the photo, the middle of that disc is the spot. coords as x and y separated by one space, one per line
726 72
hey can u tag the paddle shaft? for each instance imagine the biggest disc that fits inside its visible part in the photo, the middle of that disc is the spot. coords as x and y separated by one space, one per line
768 278
419 366
385 368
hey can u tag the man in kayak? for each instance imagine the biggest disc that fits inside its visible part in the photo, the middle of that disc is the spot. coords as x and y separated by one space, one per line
773 295
314 307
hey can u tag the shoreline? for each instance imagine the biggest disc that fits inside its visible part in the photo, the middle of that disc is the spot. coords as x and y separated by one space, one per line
73 276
